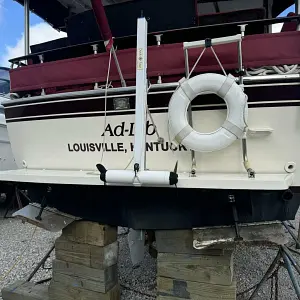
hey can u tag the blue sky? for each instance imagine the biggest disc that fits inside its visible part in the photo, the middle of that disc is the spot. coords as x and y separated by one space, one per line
12 23
11 29
292 8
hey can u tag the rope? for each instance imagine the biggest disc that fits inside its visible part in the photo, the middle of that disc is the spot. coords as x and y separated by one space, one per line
148 111
272 275
155 128
169 136
129 163
105 103
151 118
219 62
271 70
18 259
103 86
200 56
196 63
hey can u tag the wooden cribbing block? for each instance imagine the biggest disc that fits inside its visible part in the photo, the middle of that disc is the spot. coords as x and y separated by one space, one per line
22 290
87 255
87 284
90 233
198 268
181 241
105 277
271 233
59 291
173 289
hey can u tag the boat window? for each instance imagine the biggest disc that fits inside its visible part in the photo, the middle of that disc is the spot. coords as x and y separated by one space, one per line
231 11
206 8
4 81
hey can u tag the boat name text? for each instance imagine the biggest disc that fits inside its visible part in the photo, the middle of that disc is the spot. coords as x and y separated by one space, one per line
122 129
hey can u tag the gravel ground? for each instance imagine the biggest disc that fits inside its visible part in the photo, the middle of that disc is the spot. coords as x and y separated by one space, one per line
20 249
138 284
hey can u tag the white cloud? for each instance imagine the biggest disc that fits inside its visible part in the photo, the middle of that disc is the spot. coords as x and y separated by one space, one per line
277 27
39 33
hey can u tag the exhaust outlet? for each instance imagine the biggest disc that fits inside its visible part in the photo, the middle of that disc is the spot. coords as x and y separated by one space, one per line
287 195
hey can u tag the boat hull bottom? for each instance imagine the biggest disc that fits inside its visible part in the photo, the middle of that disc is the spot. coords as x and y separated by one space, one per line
166 208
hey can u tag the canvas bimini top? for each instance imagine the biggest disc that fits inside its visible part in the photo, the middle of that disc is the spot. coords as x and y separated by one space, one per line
55 12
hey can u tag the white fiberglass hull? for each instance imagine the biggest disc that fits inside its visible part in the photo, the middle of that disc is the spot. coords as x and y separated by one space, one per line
7 161
77 143
57 144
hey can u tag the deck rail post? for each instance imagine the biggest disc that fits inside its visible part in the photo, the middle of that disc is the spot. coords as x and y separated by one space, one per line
26 27
297 11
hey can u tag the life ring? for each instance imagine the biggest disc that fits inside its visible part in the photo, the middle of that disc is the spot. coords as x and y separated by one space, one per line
237 112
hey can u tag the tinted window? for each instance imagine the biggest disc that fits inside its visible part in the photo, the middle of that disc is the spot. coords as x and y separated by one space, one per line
207 7
4 81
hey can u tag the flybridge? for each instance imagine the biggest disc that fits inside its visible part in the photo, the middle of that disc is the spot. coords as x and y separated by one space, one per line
186 21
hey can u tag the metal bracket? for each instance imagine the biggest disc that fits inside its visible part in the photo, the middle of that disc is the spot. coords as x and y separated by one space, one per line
271 233
243 29
190 115
259 132
250 171
41 58
95 48
53 220
231 200
158 39
208 43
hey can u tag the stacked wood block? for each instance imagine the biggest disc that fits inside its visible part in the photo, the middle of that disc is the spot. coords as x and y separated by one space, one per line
187 273
85 267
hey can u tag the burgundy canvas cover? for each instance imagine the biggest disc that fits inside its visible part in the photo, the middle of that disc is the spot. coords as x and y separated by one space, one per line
166 60
290 26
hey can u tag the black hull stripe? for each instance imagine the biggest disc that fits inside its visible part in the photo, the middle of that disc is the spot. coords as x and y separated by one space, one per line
158 101
131 112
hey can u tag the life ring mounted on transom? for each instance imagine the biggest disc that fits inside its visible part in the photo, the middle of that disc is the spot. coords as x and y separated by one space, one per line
237 112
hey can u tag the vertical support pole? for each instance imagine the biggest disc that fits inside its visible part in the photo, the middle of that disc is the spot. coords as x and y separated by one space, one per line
95 50
158 42
190 114
267 4
26 26
240 54
240 59
141 96
186 62
297 11
136 238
